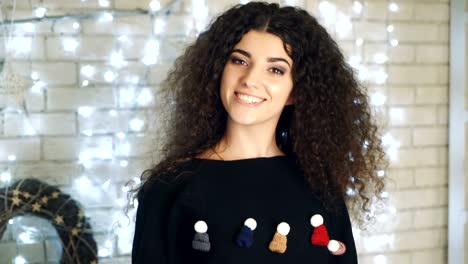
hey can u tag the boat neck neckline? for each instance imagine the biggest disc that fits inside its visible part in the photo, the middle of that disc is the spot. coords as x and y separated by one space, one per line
243 160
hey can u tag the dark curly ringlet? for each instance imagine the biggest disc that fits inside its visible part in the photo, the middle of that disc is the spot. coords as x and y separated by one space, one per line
330 129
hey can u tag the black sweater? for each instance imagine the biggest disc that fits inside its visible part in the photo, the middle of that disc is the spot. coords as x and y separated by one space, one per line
224 194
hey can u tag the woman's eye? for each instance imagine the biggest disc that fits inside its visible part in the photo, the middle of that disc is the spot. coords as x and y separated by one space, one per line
277 71
238 61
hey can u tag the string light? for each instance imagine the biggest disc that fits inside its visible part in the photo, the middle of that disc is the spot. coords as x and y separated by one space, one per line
106 17
359 42
70 44
343 25
151 51
76 25
155 5
380 259
123 38
87 71
290 2
136 124
28 27
124 163
380 173
104 3
40 12
121 135
34 76
88 132
85 83
380 58
38 87
390 28
393 7
5 176
117 59
145 97
380 77
328 12
394 42
378 99
19 260
19 45
112 113
357 7
11 157
159 26
85 111
109 76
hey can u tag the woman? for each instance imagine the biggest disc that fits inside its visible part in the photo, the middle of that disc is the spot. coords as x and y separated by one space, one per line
265 130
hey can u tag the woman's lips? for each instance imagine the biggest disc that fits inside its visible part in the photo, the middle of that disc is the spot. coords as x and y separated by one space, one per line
246 103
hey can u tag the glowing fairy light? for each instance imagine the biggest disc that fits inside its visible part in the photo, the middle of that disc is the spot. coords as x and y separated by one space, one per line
19 45
34 76
355 61
159 26
87 71
28 27
359 42
117 59
11 157
137 180
363 73
381 77
151 51
88 132
76 25
19 260
394 42
5 176
393 7
380 259
106 17
328 12
155 5
136 124
29 129
290 2
85 111
390 28
380 173
200 13
378 99
40 12
357 7
38 87
26 238
123 38
70 44
104 3
384 194
109 76
145 97
112 113
85 83
380 58
83 183
11 221
135 79
350 191
120 135
124 163
392 144
343 25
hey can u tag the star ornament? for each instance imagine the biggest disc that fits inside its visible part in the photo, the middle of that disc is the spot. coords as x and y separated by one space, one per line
36 207
55 195
16 200
59 219
75 231
44 200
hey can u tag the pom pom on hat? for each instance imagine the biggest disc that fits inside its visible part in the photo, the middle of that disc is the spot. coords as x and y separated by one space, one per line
201 240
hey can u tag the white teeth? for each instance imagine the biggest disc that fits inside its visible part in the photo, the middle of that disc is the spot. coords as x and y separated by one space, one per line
248 99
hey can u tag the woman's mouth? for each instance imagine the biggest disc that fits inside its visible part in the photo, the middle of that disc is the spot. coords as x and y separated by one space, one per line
248 100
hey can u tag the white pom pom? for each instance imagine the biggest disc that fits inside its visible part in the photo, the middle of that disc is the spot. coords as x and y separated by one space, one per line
333 245
251 223
201 227
316 220
283 228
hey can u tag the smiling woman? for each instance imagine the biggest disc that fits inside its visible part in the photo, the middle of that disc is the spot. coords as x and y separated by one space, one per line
263 131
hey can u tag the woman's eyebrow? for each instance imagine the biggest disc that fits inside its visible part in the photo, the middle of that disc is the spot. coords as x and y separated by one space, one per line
269 59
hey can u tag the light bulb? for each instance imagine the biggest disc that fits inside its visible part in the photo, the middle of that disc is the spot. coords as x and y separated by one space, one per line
109 76
87 70
40 12
394 42
76 25
155 5
11 157
357 7
104 3
390 28
393 7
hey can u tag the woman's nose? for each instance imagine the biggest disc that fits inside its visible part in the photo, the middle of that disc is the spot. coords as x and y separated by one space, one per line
252 77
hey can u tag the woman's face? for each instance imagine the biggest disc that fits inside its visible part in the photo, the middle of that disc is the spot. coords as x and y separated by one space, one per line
257 80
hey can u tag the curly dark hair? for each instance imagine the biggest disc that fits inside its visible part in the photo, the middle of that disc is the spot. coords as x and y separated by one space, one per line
329 130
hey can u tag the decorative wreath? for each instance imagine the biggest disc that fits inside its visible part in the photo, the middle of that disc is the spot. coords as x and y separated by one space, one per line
33 197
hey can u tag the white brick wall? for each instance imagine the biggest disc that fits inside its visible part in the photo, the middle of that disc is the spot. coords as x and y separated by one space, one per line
415 111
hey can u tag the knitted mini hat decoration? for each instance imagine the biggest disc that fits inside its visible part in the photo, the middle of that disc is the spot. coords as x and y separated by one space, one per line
320 236
201 240
279 241
245 237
